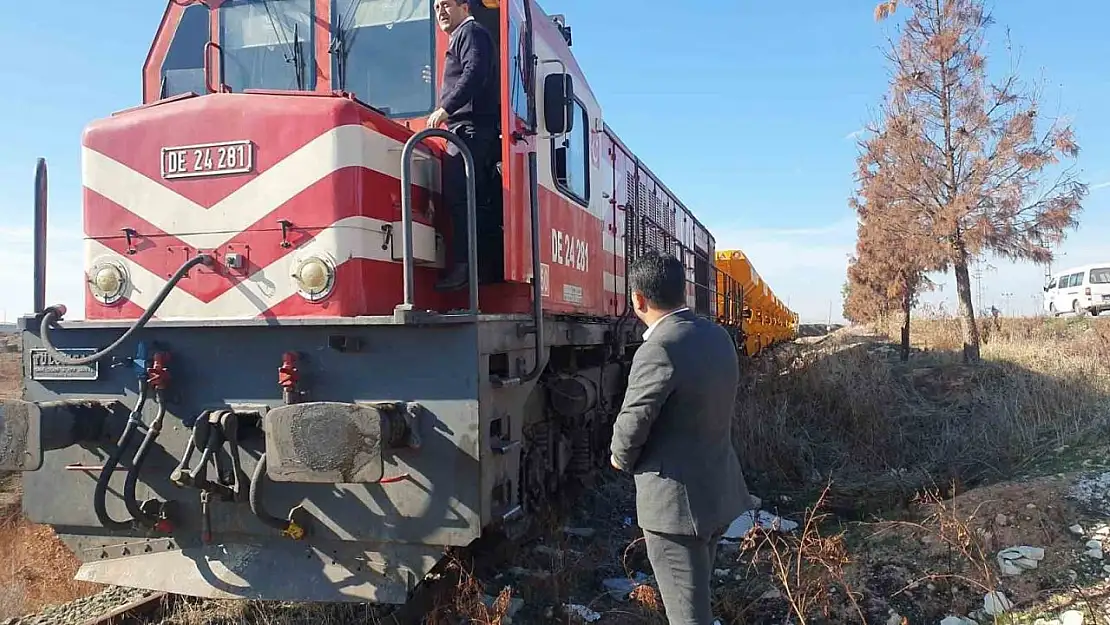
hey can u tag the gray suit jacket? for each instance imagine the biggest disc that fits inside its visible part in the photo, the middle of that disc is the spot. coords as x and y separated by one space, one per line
674 431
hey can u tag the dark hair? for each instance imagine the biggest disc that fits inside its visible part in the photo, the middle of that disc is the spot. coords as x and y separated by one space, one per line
661 278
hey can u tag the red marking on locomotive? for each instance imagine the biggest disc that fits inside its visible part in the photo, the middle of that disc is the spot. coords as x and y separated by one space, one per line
189 175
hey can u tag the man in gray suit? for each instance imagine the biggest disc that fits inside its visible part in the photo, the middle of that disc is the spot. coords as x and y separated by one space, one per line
674 434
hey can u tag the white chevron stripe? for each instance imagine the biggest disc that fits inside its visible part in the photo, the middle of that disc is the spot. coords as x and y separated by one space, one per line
612 244
353 237
344 146
613 283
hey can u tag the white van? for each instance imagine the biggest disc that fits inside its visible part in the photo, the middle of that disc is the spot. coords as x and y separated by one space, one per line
1080 290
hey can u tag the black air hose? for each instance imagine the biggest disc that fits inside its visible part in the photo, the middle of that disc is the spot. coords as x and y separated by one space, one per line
55 313
133 420
152 432
255 497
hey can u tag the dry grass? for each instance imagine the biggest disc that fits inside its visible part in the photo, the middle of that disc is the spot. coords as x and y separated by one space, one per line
36 570
809 571
194 612
9 372
847 411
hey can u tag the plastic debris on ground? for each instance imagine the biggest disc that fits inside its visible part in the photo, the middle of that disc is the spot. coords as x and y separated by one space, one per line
620 588
745 522
582 612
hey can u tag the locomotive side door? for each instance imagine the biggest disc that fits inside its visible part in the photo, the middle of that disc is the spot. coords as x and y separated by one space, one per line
518 125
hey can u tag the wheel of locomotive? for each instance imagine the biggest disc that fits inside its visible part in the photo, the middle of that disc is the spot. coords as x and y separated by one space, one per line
533 468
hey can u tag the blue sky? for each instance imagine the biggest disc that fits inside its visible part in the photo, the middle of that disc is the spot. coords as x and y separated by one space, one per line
745 109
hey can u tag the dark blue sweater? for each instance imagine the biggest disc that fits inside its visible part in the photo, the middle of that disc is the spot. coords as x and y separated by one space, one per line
469 92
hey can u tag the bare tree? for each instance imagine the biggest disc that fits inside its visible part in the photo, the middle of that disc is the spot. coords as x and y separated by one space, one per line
964 154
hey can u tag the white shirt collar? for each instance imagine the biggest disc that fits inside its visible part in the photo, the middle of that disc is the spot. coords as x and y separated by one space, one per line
647 332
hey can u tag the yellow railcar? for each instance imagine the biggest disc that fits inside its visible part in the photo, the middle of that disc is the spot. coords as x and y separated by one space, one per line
746 301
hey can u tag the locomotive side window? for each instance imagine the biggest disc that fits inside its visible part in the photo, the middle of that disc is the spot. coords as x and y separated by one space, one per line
268 44
384 53
572 157
183 69
518 71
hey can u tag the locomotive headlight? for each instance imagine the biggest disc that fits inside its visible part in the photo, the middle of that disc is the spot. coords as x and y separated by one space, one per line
107 281
315 277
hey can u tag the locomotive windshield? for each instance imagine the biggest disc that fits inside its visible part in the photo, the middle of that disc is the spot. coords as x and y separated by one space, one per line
383 52
267 44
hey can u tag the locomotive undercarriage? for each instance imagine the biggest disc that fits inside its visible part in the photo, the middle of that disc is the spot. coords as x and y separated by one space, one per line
384 445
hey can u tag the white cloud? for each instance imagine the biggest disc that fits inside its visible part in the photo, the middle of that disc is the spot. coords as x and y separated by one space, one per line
805 267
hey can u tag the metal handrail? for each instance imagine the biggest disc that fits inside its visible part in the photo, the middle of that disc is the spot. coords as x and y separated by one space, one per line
406 213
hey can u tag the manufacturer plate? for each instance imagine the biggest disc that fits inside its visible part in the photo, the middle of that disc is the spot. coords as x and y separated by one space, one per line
207 159
45 366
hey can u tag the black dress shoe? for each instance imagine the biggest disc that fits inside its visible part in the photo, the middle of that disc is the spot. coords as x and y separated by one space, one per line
456 279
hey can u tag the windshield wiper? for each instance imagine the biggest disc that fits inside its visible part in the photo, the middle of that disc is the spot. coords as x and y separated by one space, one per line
298 65
341 36
294 54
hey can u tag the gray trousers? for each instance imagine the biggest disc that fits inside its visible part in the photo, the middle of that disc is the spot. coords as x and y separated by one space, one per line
683 567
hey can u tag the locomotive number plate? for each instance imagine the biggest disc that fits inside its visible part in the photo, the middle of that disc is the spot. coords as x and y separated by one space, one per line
207 159
44 366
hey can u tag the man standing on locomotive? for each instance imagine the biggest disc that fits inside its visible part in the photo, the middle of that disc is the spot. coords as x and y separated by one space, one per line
674 434
469 104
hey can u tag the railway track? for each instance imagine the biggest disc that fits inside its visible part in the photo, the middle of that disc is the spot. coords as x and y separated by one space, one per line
138 609
113 606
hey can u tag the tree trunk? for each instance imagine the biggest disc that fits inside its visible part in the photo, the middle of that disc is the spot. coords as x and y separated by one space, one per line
967 311
906 306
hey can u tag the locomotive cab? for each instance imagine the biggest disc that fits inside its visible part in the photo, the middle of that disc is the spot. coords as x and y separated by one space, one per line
384 53
266 123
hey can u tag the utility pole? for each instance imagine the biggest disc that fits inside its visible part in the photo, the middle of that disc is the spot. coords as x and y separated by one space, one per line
1007 312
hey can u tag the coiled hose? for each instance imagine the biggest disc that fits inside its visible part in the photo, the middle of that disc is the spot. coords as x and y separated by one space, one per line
54 313
133 421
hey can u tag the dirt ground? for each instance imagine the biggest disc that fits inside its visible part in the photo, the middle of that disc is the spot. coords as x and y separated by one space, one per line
944 559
